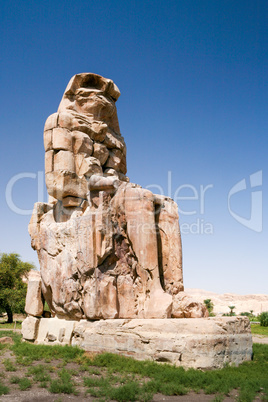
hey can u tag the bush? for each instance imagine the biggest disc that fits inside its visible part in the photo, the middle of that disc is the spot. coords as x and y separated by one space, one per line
263 317
63 385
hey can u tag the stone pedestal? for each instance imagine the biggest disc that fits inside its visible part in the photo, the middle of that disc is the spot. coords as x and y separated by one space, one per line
204 343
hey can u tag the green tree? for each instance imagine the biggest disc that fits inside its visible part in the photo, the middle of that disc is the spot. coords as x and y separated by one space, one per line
209 305
12 289
232 310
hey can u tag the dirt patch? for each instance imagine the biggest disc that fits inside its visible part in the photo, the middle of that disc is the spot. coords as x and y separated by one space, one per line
191 397
42 395
260 339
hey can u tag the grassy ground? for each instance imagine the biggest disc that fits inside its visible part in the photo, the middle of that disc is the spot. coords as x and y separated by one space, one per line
256 329
69 370
14 325
18 318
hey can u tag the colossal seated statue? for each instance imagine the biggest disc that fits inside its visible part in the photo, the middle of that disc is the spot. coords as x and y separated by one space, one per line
107 248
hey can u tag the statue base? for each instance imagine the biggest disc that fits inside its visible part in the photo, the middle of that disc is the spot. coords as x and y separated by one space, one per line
200 343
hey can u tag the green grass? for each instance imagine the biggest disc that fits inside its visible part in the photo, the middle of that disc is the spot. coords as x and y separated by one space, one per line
117 388
30 352
90 370
250 377
254 318
23 383
258 330
9 366
14 379
120 378
39 373
4 324
14 335
63 384
3 389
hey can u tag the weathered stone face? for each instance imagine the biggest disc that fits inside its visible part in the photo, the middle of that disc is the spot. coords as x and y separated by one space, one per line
107 248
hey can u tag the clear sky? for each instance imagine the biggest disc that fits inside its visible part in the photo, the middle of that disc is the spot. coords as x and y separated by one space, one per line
193 110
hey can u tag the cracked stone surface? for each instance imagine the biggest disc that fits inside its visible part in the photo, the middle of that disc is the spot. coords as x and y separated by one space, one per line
204 343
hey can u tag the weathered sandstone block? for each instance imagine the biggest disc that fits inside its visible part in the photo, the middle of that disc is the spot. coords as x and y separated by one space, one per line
64 161
62 139
48 140
101 153
34 303
117 161
49 161
29 328
83 145
51 122
206 343
55 332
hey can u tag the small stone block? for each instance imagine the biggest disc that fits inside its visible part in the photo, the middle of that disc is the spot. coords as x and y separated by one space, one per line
34 303
49 159
62 139
48 140
29 328
64 160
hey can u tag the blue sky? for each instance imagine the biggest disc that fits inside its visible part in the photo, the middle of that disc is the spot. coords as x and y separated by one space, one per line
193 111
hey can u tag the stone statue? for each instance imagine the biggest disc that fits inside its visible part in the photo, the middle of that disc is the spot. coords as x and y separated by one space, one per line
107 248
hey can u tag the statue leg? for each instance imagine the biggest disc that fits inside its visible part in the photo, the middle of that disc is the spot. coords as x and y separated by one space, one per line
169 245
141 231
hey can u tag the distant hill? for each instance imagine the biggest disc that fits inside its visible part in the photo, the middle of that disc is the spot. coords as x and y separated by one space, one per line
258 303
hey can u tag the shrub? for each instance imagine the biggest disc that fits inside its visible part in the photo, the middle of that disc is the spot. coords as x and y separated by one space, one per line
263 317
14 380
3 389
9 366
24 384
63 385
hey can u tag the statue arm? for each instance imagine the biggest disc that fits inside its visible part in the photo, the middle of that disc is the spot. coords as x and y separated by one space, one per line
100 183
